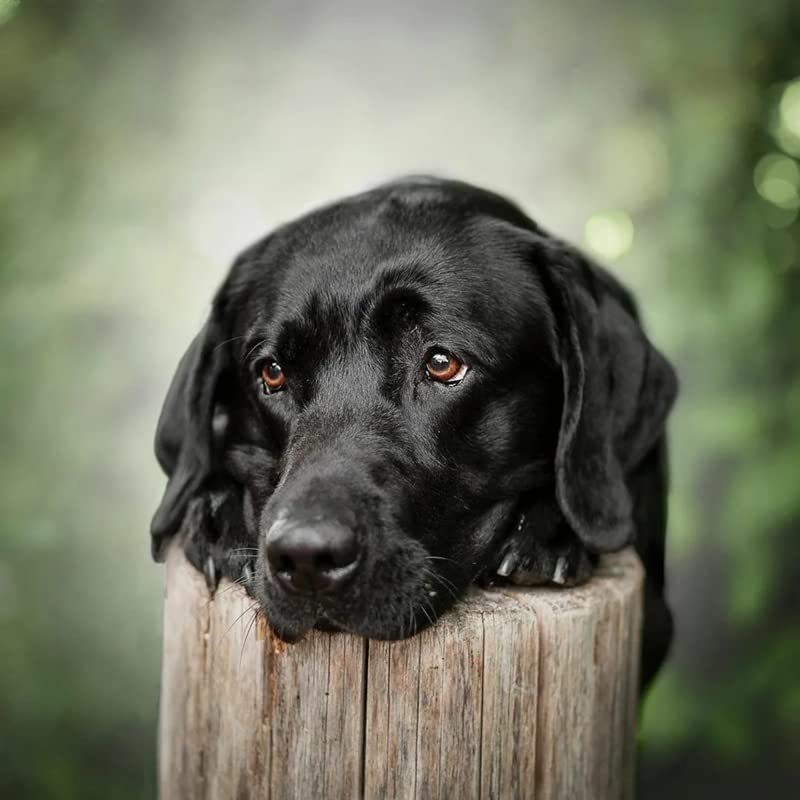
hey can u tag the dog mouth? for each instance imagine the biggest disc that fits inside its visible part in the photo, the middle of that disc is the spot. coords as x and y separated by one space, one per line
393 626
374 609
396 596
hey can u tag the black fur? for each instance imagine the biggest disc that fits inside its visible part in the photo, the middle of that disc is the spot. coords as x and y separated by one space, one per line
548 452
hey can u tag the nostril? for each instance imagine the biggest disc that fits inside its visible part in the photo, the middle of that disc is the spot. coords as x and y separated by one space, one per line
324 562
284 564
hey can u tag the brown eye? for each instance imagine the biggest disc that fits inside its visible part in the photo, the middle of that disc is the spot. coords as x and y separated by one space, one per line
272 377
445 367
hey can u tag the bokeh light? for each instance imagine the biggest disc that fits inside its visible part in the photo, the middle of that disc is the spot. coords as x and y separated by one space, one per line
790 108
7 9
785 122
609 234
777 179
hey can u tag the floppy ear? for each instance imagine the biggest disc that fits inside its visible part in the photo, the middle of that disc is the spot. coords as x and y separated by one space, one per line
184 433
618 390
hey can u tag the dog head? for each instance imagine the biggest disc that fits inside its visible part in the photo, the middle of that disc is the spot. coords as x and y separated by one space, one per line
378 385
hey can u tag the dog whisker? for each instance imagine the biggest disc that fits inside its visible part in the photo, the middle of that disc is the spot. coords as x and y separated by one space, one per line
452 588
446 584
412 618
425 612
246 634
238 582
227 341
230 627
253 349
441 558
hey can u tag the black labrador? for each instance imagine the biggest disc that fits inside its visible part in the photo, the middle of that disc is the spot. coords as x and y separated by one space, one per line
406 392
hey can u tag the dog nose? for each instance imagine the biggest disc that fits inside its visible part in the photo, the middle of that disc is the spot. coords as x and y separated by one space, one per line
312 558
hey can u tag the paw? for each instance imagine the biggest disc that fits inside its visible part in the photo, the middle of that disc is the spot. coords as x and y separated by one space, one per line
210 548
528 559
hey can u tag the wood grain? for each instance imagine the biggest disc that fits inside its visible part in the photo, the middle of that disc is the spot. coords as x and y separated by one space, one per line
512 694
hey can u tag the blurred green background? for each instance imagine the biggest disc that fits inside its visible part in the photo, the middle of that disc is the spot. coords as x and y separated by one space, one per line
142 144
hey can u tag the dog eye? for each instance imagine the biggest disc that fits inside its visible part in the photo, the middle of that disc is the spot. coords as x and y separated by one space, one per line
272 377
445 367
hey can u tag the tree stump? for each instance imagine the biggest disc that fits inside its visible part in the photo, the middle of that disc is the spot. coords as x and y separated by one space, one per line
513 694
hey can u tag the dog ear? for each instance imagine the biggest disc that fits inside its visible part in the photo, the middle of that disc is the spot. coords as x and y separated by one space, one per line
184 435
618 390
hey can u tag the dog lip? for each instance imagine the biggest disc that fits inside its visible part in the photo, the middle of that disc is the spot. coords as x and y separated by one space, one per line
288 627
324 623
290 637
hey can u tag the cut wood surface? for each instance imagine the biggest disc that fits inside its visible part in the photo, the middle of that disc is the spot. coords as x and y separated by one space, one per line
512 694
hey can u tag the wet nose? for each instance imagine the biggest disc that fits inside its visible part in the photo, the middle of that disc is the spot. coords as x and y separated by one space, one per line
312 558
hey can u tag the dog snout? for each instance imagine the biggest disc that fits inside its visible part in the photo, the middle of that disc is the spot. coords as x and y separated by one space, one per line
318 557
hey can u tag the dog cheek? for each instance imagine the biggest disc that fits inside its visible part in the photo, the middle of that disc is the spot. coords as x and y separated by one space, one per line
389 598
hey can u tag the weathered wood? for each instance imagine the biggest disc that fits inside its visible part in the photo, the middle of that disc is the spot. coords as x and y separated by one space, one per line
512 694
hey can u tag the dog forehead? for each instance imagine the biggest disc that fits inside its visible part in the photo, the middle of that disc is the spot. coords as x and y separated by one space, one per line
458 254
350 246
421 235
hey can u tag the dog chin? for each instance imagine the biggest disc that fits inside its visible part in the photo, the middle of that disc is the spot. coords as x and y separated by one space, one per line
287 631
294 627
387 628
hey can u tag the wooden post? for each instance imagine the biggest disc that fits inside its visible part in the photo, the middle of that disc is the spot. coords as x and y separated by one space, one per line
512 694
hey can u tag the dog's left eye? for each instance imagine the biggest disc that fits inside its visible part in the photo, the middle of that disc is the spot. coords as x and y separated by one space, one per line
444 367
272 377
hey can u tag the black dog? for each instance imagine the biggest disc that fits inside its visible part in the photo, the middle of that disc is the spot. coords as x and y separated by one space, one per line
406 392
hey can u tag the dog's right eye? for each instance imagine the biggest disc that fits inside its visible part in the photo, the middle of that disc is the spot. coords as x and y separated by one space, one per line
272 377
